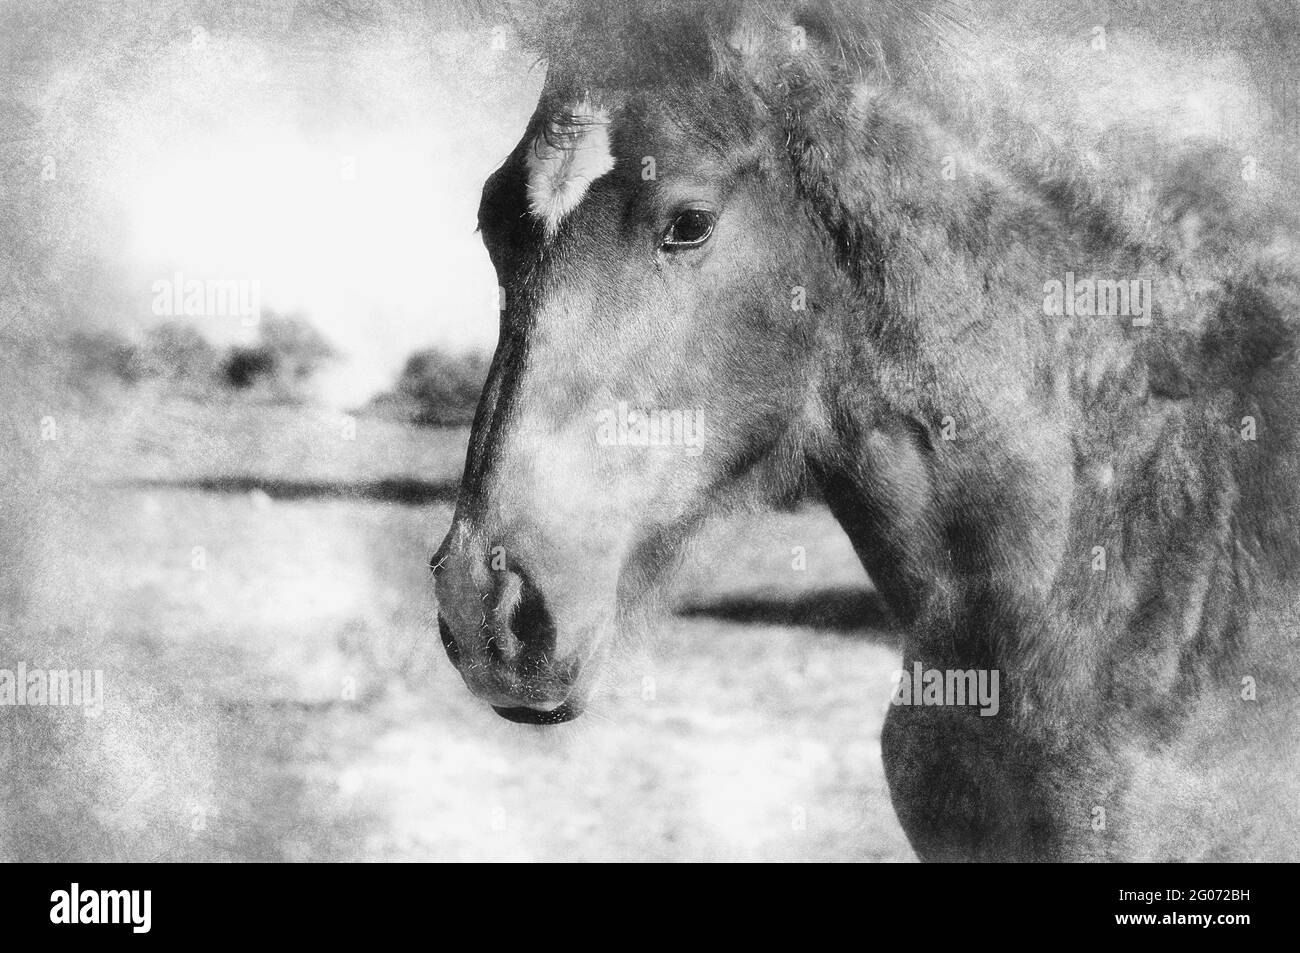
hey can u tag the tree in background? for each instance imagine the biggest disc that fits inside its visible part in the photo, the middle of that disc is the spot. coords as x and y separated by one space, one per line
94 359
288 353
177 356
176 351
437 387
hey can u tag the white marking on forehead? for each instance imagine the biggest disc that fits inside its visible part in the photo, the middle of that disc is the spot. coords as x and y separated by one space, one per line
560 171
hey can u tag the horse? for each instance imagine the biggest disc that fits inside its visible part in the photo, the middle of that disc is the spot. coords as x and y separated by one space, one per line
998 291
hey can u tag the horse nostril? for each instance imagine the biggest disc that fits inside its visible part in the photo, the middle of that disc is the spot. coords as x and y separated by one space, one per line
448 643
530 620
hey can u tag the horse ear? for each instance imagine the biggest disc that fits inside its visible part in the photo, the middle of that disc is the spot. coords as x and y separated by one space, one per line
785 46
769 50
745 40
852 38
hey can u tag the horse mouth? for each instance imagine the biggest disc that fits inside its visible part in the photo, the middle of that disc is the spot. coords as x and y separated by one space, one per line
448 641
533 688
567 711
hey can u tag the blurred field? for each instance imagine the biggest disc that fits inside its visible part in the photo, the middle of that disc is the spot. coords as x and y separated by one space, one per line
748 730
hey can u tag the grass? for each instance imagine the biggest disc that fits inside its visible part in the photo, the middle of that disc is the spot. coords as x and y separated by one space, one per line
275 691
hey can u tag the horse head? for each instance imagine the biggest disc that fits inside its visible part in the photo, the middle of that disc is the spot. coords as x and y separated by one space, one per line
664 344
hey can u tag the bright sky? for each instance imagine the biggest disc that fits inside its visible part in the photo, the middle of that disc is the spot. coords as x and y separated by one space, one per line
383 263
347 186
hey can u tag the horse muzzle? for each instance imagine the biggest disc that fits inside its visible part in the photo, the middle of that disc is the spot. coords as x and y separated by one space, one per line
500 635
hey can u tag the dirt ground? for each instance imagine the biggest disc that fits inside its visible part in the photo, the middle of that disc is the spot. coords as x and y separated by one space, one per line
253 584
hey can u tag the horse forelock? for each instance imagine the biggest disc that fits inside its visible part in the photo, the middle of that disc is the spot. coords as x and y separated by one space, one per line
570 152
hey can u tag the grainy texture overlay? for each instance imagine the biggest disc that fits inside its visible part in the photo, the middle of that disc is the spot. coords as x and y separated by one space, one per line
671 430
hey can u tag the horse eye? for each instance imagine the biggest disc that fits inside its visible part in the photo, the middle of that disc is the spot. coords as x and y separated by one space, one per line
690 228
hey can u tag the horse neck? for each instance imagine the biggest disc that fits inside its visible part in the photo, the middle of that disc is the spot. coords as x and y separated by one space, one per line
1063 495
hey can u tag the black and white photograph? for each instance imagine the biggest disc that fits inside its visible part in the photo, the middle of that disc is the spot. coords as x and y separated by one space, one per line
625 431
